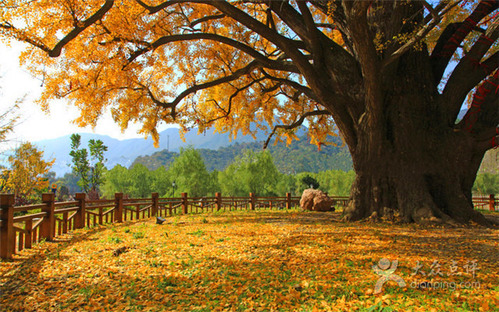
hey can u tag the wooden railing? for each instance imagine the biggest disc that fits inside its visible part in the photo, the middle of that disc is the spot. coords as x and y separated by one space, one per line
489 203
23 226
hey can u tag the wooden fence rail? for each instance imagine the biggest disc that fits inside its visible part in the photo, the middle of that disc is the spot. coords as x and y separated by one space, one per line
22 226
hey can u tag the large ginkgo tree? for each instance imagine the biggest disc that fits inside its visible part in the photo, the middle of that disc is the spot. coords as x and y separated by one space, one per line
390 77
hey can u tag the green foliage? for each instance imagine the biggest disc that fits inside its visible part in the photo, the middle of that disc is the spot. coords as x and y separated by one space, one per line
70 180
161 181
299 156
91 173
486 183
310 182
80 165
117 180
189 173
333 182
140 176
250 173
336 182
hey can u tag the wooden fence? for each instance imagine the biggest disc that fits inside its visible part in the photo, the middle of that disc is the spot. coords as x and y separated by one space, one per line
22 226
489 203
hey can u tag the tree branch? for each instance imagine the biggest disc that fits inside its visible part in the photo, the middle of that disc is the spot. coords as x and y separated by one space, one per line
419 35
206 18
56 51
285 66
483 113
195 88
306 90
313 34
295 124
287 45
453 36
79 27
159 7
469 72
231 98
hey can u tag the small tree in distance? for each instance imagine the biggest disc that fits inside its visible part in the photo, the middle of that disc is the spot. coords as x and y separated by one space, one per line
90 172
25 176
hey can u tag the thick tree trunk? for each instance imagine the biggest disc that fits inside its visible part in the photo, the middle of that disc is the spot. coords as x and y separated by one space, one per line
415 166
416 185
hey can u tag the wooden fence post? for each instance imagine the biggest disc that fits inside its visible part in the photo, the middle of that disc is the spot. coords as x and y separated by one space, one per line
80 214
288 201
252 201
48 224
492 202
29 233
7 238
118 204
155 199
218 201
184 203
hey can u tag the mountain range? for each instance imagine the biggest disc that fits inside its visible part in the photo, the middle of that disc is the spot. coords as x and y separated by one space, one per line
125 152
299 156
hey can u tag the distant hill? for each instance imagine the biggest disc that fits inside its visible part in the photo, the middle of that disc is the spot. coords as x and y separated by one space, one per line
124 152
300 156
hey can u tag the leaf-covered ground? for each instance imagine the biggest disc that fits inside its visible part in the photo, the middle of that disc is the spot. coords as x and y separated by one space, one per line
255 261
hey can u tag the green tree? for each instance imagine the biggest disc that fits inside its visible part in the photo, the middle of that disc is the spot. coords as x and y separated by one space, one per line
250 173
336 182
97 168
117 180
142 182
303 181
486 183
91 172
189 173
161 182
286 184
70 180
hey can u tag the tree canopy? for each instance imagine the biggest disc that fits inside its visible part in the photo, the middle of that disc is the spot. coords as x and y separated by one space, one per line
90 171
390 77
25 176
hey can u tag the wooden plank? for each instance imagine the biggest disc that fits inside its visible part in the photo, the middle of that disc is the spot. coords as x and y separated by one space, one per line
69 209
30 217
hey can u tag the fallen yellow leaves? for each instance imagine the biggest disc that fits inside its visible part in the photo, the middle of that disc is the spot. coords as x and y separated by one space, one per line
250 261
